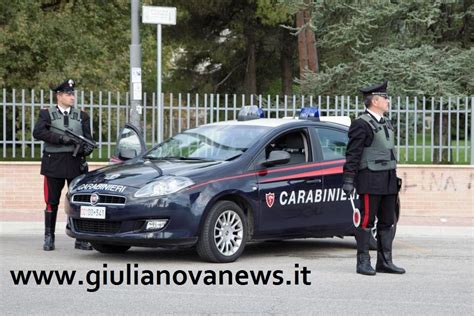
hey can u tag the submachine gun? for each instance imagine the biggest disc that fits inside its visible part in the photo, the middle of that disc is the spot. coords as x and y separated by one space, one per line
79 141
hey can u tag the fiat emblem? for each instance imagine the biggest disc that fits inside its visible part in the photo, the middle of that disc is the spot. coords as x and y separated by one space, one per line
94 198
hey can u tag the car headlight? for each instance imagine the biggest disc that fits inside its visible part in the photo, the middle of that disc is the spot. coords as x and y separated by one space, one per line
163 186
75 181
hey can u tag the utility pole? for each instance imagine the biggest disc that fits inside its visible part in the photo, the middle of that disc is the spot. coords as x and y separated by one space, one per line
135 68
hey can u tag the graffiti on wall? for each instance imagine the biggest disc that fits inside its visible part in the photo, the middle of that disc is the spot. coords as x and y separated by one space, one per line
439 181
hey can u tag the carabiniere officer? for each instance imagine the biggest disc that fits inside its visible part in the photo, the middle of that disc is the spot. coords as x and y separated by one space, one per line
58 165
370 168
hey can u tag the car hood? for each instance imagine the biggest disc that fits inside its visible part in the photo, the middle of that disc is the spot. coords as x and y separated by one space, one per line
138 173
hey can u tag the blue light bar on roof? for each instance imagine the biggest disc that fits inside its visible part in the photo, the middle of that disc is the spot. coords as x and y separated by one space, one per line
250 112
309 114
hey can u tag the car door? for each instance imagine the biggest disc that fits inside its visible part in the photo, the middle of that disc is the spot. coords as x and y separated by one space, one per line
130 144
286 191
336 212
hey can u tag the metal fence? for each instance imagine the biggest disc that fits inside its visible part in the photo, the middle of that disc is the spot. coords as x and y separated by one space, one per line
428 129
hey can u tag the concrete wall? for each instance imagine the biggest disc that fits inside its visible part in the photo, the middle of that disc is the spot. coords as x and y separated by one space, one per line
442 191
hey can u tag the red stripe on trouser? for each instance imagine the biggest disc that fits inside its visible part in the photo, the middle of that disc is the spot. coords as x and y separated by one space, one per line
46 194
366 211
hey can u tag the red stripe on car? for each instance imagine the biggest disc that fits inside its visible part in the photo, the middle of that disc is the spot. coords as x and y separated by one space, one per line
265 172
314 173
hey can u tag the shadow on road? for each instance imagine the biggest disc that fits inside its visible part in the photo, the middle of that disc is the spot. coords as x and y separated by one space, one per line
304 248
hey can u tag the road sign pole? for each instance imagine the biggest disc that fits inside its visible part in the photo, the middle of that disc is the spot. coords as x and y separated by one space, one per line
158 83
159 16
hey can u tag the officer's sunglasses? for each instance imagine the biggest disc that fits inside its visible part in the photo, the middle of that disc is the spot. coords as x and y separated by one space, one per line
385 96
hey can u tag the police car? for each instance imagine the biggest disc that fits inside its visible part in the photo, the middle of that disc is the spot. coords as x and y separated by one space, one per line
218 186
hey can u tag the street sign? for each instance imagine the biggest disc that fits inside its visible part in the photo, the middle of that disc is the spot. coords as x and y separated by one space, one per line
136 74
159 15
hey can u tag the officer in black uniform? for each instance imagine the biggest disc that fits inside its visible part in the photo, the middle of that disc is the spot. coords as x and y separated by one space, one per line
370 168
58 164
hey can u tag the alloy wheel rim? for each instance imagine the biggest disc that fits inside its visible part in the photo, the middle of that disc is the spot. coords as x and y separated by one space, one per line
228 233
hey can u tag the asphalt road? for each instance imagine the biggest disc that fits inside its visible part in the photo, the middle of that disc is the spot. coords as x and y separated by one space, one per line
439 278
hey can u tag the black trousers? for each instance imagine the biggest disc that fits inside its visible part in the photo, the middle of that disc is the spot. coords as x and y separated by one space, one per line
52 192
382 206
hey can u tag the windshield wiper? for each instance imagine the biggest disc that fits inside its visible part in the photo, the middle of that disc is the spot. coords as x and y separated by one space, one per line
233 157
150 157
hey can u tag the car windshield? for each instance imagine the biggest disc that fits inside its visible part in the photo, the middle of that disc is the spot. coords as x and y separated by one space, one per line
210 142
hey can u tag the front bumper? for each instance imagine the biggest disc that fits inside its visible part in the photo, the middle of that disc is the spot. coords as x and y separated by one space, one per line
136 238
125 224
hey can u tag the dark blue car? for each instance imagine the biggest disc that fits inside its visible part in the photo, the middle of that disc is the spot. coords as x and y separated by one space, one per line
216 187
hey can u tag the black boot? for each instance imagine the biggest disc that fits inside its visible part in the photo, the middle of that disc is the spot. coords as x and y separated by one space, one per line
49 227
384 253
54 215
82 245
363 257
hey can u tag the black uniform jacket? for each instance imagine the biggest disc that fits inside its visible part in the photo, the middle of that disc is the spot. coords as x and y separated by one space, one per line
59 165
366 181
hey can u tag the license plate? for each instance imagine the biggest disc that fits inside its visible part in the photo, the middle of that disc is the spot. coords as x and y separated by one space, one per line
93 212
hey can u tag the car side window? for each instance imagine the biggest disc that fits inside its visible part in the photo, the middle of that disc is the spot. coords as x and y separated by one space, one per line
333 143
294 143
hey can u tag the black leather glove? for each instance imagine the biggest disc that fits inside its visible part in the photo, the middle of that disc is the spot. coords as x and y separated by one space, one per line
348 184
84 167
66 140
399 184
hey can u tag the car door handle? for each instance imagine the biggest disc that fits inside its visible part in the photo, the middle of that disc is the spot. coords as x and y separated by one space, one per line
313 181
293 182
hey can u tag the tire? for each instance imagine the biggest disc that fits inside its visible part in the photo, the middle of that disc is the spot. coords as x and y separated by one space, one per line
224 233
104 248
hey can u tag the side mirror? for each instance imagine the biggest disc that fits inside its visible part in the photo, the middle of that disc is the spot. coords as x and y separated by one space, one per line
130 144
276 157
127 153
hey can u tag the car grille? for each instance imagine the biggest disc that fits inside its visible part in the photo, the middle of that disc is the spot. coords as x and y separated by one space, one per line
107 227
84 198
94 226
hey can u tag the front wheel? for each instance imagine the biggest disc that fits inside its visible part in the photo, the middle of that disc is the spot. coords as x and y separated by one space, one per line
104 248
224 233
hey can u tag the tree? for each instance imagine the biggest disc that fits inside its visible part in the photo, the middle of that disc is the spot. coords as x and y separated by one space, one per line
277 15
423 48
45 42
232 46
308 55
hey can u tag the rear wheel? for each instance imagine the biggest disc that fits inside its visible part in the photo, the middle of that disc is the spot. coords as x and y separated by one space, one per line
104 248
224 233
